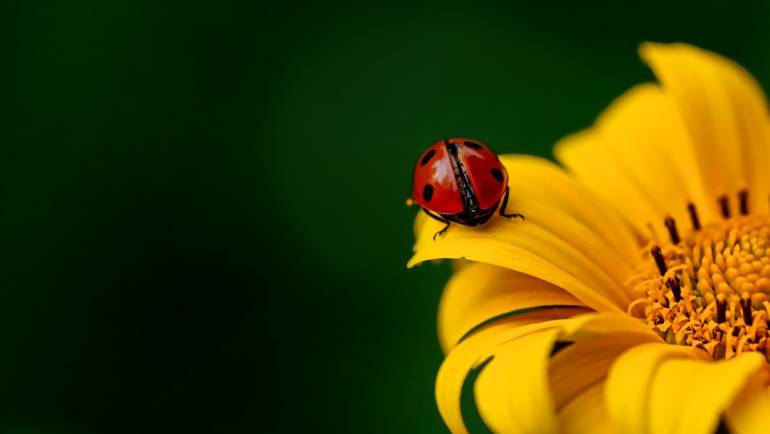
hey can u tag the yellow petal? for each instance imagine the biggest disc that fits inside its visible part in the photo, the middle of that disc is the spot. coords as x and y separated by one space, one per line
591 324
586 362
628 382
479 292
725 113
576 370
638 157
647 138
585 154
748 413
662 389
469 354
512 391
530 249
551 245
586 414
580 236
689 396
543 181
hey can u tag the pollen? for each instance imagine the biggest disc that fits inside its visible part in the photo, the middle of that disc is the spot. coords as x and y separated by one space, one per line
709 287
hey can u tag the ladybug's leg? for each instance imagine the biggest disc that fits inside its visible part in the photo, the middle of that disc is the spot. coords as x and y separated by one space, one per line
442 231
442 220
504 205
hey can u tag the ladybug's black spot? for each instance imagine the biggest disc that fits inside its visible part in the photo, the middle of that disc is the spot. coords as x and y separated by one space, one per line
497 174
427 157
473 145
427 192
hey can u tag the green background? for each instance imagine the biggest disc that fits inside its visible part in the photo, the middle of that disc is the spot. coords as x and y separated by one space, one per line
202 210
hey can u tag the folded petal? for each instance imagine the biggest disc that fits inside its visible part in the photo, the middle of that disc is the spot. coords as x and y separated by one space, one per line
480 292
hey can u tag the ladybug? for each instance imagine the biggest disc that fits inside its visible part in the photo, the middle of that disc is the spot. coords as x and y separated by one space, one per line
460 181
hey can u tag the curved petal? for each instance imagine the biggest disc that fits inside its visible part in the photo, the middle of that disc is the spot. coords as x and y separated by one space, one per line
628 383
586 413
513 390
470 354
554 245
585 155
545 182
526 249
584 326
521 389
660 388
689 396
586 363
748 413
725 114
480 292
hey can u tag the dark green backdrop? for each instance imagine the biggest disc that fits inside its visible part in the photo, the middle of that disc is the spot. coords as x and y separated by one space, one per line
202 220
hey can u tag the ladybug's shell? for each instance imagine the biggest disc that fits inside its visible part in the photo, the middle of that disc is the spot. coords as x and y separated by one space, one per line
434 168
481 162
486 175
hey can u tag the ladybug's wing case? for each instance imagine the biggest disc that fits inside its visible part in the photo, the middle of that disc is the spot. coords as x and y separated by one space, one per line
487 174
435 187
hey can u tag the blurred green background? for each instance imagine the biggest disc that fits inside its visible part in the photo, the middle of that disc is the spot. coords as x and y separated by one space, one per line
202 203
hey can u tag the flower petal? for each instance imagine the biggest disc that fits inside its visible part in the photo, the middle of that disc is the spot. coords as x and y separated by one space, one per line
647 138
553 244
470 354
584 326
586 413
689 396
479 292
748 413
512 391
529 249
660 388
725 113
638 157
579 368
586 363
585 155
543 181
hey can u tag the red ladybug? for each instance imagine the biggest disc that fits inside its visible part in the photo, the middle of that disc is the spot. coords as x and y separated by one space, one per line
460 181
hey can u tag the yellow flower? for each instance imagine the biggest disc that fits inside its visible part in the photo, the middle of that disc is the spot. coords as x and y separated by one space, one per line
634 298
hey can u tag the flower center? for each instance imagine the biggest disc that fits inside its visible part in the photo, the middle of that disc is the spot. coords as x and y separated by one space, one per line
711 288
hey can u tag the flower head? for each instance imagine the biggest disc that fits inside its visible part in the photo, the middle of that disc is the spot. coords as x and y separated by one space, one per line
635 298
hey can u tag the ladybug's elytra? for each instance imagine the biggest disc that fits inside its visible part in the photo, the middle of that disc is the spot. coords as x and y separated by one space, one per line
460 181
